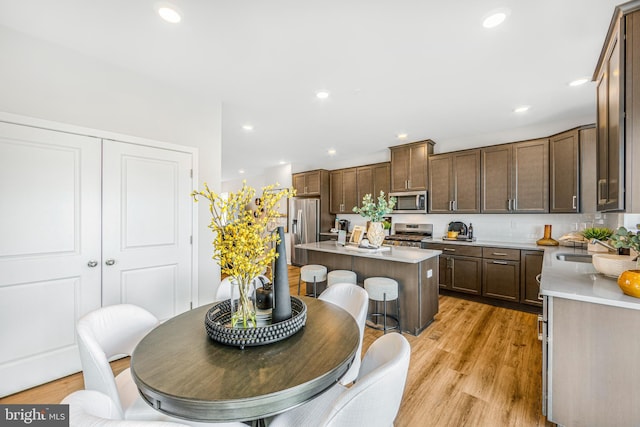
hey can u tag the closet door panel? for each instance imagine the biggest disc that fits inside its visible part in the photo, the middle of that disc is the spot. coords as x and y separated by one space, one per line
147 227
50 228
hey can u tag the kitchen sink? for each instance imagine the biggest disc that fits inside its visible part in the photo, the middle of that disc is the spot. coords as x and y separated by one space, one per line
574 257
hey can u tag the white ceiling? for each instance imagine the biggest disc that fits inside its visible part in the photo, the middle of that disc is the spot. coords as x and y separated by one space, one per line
426 68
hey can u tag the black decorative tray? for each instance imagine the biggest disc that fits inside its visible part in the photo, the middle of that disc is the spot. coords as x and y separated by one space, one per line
218 319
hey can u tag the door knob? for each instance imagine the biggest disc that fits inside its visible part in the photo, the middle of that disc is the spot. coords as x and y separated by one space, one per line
92 263
110 261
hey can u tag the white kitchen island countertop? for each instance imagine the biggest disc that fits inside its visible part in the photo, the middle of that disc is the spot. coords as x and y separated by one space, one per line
580 281
388 253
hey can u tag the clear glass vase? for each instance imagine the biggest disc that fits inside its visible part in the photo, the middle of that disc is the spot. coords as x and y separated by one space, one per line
243 311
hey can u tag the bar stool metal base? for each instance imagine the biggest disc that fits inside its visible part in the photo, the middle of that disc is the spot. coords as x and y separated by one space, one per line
385 317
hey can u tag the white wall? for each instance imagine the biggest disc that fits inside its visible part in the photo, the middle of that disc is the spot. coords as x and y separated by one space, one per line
45 81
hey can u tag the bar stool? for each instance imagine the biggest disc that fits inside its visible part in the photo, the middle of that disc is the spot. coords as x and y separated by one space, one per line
383 289
341 276
312 273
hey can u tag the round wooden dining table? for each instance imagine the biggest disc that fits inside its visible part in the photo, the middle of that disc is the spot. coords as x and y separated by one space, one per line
180 371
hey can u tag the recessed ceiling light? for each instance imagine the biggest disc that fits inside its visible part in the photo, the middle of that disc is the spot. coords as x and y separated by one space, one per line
247 127
402 136
579 82
495 18
169 14
323 94
332 152
240 170
521 109
283 162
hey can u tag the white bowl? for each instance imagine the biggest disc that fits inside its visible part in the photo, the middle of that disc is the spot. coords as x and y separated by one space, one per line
612 265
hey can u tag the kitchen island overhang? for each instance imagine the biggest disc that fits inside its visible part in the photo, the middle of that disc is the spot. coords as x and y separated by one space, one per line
415 270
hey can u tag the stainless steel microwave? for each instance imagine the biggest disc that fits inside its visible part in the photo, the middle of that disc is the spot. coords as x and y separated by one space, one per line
410 202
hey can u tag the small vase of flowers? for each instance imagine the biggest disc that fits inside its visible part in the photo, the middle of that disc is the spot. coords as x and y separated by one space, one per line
244 243
374 212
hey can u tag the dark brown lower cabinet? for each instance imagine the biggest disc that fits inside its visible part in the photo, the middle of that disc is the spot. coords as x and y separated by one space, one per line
531 267
501 279
466 274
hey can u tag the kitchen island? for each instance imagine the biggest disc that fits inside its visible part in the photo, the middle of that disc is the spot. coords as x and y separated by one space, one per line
416 271
590 341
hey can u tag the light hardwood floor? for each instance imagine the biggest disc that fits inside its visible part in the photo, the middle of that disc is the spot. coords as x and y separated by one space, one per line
475 365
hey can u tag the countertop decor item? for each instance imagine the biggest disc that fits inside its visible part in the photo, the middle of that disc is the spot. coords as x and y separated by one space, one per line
375 212
598 233
547 240
612 265
626 239
629 282
218 317
281 301
243 242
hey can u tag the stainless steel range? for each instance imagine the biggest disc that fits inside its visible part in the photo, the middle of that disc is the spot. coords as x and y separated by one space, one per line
409 235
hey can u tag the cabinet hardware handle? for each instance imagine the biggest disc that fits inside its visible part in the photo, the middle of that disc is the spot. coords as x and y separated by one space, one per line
92 263
448 249
539 326
498 254
515 204
509 204
538 277
575 202
501 262
110 261
455 205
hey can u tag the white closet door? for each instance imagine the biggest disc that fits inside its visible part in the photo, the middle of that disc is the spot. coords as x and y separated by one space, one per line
146 228
49 234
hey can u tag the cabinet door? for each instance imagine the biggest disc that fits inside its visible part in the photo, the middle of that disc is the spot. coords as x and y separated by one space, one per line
610 119
466 275
496 179
530 182
501 279
312 182
381 179
299 184
466 172
588 177
564 171
350 190
49 251
335 185
364 182
418 167
531 265
399 168
441 183
445 267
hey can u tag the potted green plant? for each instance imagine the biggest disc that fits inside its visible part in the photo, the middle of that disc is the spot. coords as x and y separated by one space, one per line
374 212
624 238
598 233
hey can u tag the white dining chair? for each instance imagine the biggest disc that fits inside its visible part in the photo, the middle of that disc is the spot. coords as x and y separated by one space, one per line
90 408
114 331
372 401
355 300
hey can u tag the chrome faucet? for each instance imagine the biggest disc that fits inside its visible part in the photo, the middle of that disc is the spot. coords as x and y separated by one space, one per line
606 245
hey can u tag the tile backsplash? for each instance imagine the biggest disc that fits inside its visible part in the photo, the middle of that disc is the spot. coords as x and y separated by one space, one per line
514 227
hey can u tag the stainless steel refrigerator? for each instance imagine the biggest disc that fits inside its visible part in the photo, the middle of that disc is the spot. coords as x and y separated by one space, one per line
304 226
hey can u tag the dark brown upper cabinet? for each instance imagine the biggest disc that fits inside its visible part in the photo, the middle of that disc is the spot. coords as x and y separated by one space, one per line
372 179
617 78
454 182
515 177
344 196
564 172
409 165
